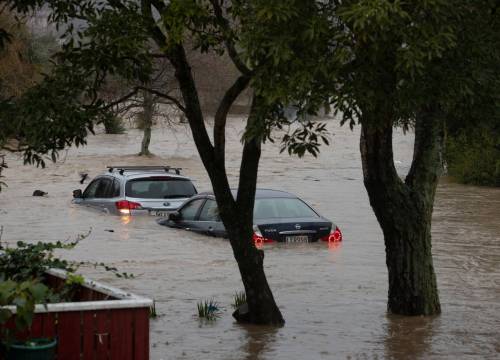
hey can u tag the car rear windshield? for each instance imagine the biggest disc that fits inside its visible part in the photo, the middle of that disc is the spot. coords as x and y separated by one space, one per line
159 188
282 208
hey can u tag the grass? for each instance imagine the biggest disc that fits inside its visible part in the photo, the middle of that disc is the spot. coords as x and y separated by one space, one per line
208 309
152 311
239 298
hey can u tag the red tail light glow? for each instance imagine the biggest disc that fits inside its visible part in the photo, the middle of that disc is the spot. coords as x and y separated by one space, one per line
257 237
124 206
335 236
260 239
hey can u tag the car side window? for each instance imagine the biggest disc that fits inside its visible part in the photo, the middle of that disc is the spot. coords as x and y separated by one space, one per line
189 211
90 191
116 188
210 211
104 189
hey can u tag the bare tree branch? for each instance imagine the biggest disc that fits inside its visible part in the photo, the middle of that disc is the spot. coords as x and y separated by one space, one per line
122 99
175 101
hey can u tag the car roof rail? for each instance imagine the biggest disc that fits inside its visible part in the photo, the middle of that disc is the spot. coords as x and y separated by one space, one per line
122 169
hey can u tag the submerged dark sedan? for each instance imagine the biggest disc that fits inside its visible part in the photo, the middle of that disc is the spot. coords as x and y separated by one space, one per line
278 216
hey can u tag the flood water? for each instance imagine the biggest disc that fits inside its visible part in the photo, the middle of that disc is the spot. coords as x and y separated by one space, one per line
333 299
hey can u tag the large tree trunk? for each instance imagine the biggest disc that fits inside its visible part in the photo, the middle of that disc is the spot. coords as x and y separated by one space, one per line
262 308
404 209
147 122
237 215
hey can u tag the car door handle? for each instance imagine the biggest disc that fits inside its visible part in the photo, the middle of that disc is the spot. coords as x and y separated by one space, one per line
210 229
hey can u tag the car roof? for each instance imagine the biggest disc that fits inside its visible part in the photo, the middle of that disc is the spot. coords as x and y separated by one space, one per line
259 194
137 174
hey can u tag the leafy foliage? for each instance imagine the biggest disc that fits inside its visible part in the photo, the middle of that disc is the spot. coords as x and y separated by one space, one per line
284 46
113 125
30 261
24 295
22 276
21 280
402 56
473 156
63 108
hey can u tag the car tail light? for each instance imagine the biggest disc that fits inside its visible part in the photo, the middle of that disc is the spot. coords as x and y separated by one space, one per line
334 236
258 238
124 206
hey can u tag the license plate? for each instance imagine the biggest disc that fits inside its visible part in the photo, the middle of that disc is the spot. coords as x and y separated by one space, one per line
161 213
297 239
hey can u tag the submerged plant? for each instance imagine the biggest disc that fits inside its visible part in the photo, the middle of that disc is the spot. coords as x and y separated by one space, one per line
239 298
152 311
208 309
3 165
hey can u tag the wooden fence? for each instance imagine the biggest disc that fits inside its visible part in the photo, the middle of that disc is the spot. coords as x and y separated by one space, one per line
106 324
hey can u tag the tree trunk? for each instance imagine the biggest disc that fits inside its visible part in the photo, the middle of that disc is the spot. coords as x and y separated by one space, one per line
404 210
147 122
237 216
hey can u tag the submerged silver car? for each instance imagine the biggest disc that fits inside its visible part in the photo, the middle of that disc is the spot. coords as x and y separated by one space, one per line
136 190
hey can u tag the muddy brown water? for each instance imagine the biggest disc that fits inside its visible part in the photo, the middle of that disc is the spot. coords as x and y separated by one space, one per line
333 299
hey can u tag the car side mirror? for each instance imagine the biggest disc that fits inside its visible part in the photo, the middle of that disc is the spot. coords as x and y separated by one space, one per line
77 194
175 216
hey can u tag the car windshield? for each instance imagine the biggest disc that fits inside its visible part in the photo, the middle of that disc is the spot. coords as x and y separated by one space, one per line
159 188
282 208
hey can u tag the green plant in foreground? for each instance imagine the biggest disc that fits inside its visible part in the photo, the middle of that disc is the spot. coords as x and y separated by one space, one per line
24 296
22 276
208 309
239 298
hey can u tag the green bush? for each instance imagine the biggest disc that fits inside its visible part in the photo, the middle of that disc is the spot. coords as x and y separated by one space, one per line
113 125
473 156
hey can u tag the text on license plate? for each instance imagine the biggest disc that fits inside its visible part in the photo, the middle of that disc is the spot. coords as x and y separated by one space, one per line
297 239
158 213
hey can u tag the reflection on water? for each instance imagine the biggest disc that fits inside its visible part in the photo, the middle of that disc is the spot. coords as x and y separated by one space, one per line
332 295
334 245
258 341
408 337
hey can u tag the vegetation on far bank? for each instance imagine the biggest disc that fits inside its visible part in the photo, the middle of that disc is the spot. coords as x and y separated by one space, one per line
473 155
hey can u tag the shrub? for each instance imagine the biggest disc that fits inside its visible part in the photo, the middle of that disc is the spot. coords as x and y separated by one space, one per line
473 156
113 125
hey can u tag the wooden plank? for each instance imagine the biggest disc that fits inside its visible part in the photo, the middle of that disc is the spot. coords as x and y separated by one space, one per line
141 333
88 333
102 335
36 326
69 335
49 325
121 327
87 294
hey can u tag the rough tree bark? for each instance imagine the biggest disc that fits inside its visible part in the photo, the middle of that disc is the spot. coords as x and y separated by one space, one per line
404 209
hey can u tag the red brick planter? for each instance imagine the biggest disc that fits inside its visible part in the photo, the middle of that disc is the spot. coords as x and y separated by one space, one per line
106 323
